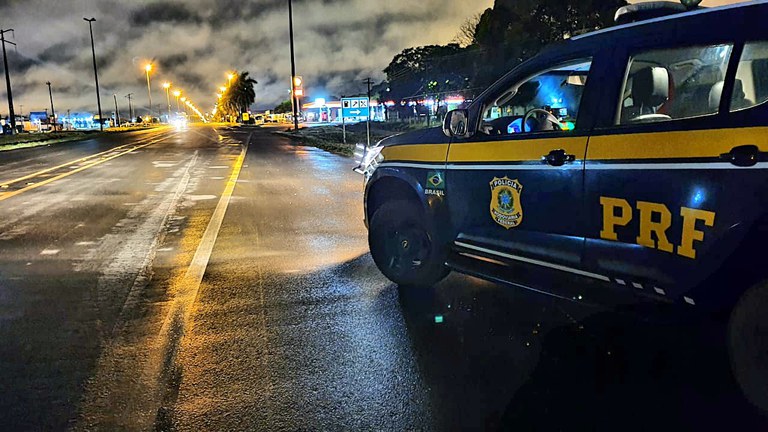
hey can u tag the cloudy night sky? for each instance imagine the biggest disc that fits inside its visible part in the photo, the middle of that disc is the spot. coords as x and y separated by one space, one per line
193 43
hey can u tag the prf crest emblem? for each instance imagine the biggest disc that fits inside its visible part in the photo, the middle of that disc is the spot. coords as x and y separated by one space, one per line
506 208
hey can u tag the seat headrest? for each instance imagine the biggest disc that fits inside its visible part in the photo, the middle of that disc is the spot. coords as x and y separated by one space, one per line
717 92
650 86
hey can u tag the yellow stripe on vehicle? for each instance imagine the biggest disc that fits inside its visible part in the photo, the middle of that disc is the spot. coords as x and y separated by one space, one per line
671 145
416 153
532 149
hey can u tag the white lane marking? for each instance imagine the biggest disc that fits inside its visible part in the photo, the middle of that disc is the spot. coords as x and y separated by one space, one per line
659 291
689 301
164 164
201 197
535 262
165 249
621 281
219 167
637 285
218 178
50 251
85 243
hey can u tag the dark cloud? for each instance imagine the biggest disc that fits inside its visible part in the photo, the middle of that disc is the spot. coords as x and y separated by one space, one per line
172 61
164 12
192 43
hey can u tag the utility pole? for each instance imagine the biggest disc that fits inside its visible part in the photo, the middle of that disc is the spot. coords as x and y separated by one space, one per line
53 112
148 69
368 81
95 71
293 68
130 107
117 111
8 79
21 108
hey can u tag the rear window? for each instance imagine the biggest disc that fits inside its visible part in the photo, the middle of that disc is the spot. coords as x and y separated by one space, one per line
671 84
751 86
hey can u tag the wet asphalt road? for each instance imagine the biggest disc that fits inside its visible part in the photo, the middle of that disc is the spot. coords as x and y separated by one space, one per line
125 305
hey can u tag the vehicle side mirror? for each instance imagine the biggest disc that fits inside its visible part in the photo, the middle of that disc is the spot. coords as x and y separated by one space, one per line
456 124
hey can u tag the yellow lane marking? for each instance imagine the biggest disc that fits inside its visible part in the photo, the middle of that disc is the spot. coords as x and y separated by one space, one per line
6 195
73 162
189 284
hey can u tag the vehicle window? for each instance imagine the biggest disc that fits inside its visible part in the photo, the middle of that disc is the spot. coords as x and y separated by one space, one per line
548 101
674 84
751 85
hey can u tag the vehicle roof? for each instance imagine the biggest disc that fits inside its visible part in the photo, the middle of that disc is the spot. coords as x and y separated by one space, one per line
675 17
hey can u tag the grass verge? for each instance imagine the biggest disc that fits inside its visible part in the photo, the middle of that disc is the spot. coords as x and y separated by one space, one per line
331 138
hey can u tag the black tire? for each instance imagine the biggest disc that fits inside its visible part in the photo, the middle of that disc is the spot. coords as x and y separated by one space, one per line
403 247
748 344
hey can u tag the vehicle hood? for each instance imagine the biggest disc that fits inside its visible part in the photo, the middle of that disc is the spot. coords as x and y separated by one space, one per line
432 135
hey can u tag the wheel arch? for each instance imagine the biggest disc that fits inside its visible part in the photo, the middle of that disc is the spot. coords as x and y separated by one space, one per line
386 186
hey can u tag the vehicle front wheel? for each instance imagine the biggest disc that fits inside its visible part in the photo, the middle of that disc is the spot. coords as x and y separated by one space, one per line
403 247
748 344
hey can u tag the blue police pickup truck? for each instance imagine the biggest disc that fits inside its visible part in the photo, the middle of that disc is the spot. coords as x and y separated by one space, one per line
631 163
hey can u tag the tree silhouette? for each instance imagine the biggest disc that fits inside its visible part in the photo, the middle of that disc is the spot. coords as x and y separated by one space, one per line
239 95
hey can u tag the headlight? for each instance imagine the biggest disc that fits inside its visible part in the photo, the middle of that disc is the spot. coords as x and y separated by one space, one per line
368 159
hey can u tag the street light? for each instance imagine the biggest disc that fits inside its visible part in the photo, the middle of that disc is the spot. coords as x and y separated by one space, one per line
53 113
95 71
293 66
177 93
148 68
229 77
167 87
117 111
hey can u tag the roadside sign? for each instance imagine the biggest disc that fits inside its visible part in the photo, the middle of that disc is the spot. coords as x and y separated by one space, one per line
246 117
354 107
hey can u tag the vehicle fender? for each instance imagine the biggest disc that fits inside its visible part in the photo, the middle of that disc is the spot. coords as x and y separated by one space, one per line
404 183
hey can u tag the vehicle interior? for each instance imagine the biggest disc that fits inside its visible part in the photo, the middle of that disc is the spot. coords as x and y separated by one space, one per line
545 102
679 83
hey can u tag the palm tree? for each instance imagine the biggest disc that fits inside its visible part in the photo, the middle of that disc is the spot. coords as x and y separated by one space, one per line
239 95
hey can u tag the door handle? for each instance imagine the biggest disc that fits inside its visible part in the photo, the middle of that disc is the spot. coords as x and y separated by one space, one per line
558 158
743 156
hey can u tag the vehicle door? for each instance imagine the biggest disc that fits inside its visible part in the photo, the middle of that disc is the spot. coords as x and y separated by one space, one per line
515 188
676 173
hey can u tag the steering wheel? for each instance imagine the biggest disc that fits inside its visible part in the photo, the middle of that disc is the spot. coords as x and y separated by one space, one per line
542 116
650 118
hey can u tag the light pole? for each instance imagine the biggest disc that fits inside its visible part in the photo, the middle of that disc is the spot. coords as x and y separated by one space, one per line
117 111
95 71
53 113
148 68
130 107
177 94
8 79
293 66
183 99
167 87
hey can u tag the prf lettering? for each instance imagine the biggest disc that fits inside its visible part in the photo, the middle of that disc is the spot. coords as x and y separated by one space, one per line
655 220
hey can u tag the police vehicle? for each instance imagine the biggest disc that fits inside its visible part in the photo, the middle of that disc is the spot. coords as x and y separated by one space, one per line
626 164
